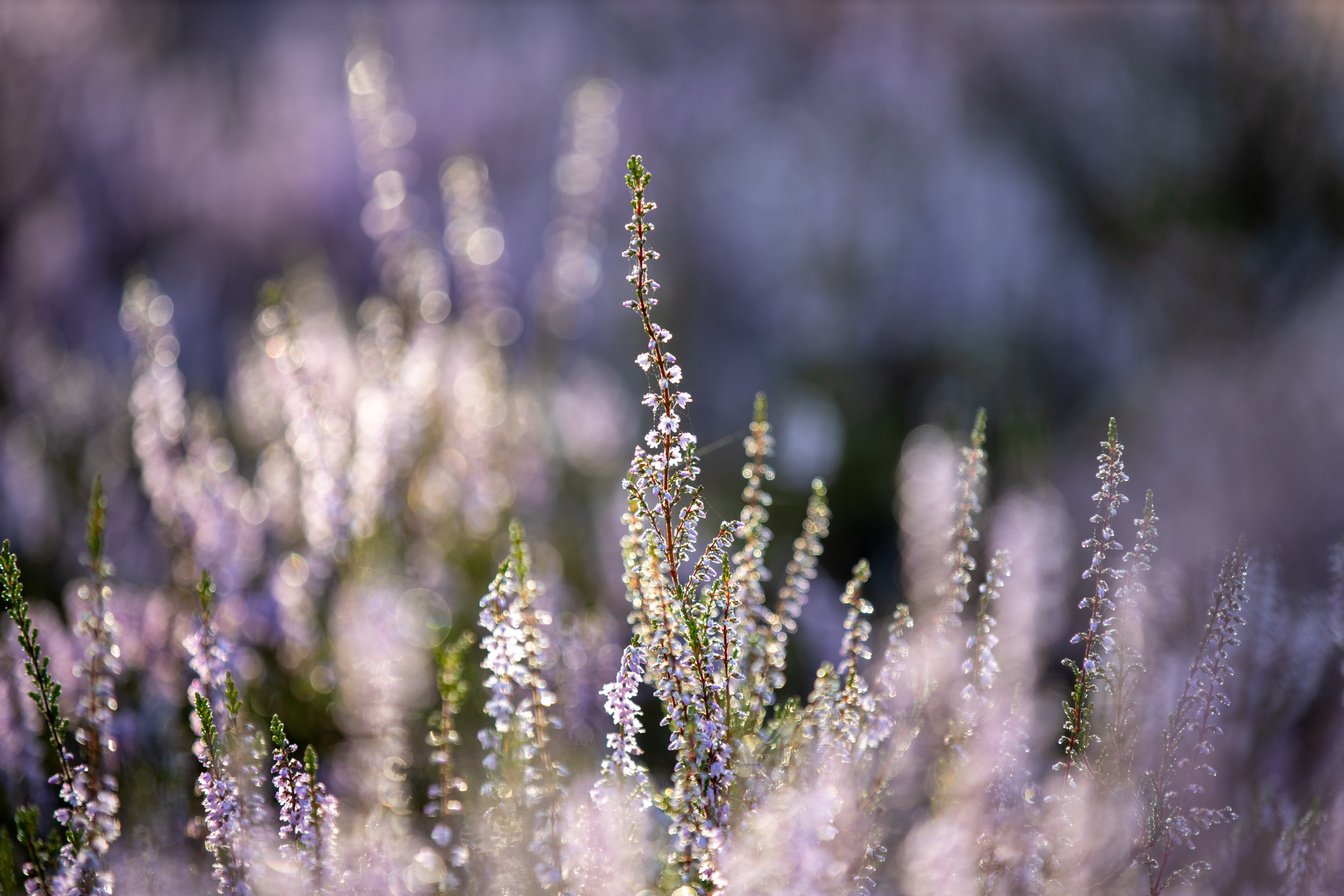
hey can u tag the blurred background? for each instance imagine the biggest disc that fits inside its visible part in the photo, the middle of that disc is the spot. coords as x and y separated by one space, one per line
882 216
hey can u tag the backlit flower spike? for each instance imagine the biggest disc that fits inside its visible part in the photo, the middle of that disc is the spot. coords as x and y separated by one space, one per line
188 472
1097 639
757 620
981 667
69 860
1174 817
444 805
693 651
622 771
209 655
1122 681
522 776
101 664
963 535
307 813
218 789
855 702
799 573
562 288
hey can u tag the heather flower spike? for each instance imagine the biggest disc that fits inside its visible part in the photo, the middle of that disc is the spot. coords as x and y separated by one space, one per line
798 576
981 667
1097 639
218 790
307 812
963 534
522 782
73 859
749 575
622 772
855 703
1121 684
1174 818
444 805
692 618
38 871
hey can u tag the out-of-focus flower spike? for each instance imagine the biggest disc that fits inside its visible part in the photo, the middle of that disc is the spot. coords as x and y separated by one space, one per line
758 620
964 534
798 576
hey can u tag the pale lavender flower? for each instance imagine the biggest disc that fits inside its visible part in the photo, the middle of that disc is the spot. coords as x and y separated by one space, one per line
209 654
981 667
307 812
569 273
523 779
621 769
1098 638
856 704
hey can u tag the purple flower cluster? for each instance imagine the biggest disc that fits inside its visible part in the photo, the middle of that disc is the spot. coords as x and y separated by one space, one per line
622 771
307 813
1097 639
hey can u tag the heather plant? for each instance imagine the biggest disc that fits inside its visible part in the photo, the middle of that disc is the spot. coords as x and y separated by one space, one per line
72 858
344 508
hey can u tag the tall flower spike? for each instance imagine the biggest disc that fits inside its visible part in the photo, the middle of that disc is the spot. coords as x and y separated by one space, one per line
522 777
749 574
1122 679
1187 743
621 769
62 864
690 618
664 477
208 654
445 801
97 627
1097 639
798 576
307 812
963 534
856 704
223 807
981 667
